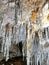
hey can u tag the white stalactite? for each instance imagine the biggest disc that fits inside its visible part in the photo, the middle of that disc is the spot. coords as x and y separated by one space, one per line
7 44
3 43
46 34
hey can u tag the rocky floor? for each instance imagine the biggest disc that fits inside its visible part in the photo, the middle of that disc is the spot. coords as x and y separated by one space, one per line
14 61
1 56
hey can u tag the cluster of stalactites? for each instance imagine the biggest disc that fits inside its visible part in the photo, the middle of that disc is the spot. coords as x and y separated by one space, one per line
12 35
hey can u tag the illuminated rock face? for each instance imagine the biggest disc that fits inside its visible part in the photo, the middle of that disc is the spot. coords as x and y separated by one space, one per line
28 23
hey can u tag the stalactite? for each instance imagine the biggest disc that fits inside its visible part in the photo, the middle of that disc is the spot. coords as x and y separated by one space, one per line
17 10
46 34
7 41
3 43
1 30
28 53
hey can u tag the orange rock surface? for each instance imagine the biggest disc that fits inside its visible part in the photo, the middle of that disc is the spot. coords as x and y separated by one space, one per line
33 16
